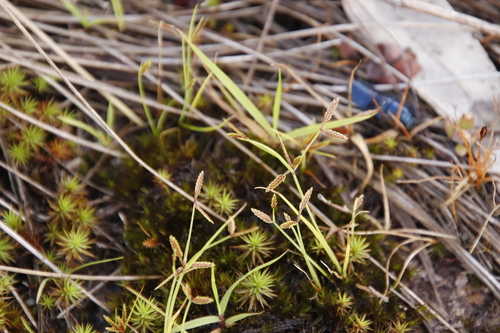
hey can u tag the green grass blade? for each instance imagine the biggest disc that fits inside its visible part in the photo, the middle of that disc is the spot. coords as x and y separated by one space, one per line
311 129
238 317
142 68
27 325
41 287
194 104
238 94
119 13
73 9
110 116
94 263
214 288
270 151
80 124
202 129
198 322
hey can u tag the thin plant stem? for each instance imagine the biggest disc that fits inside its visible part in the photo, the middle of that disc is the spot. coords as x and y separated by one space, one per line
142 93
186 312
302 251
300 241
188 241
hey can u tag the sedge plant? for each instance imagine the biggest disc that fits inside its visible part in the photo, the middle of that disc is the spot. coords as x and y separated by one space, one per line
294 223
269 135
175 316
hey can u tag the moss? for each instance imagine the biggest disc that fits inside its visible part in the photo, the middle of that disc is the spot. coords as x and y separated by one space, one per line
154 213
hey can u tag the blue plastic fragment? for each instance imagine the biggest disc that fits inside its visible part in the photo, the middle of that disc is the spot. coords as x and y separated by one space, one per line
363 95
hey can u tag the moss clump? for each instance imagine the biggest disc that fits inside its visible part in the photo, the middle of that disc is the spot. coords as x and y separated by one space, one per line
159 222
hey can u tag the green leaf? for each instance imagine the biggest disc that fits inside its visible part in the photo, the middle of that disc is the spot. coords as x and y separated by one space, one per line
214 288
197 323
142 68
86 127
40 289
238 94
94 263
119 13
270 151
110 115
27 325
238 317
194 104
311 129
76 13
204 128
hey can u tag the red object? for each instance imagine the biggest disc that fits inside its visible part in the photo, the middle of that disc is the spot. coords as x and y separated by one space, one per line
186 3
404 61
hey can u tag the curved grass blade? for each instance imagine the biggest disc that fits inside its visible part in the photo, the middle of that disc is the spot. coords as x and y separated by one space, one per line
238 94
311 129
231 320
198 322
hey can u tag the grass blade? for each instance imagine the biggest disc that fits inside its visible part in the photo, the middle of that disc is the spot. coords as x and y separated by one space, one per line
311 129
238 94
